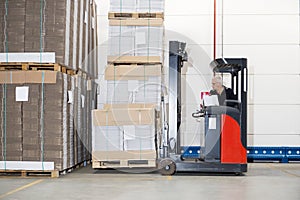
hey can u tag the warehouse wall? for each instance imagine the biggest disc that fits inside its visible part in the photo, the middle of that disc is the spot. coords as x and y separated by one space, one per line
264 31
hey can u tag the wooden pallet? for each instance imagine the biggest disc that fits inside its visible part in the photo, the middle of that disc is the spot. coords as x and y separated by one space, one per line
137 22
75 167
42 173
30 173
124 164
124 159
36 67
132 71
134 60
135 15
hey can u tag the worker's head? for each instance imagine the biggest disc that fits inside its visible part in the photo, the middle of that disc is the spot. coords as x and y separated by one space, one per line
217 82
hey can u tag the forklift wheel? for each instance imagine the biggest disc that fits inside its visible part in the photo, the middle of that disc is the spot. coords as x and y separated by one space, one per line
167 167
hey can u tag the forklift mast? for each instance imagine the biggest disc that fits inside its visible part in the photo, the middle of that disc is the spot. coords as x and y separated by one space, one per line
177 57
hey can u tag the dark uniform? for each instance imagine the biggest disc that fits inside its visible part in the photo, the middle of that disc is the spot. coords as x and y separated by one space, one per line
227 93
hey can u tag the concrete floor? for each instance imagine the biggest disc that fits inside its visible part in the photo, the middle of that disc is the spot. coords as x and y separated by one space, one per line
263 181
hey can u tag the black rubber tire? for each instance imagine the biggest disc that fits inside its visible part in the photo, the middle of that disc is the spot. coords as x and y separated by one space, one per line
238 173
167 167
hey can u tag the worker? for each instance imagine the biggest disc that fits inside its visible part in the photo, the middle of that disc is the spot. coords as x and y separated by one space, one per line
220 90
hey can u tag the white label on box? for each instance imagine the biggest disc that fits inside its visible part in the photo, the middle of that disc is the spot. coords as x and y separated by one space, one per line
212 123
82 101
85 17
70 96
133 85
89 85
140 38
22 93
93 22
129 132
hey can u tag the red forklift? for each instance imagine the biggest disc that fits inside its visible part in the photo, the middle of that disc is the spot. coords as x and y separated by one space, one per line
225 131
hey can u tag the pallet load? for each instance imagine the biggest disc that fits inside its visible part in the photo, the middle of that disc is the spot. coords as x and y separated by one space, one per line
56 31
125 127
38 130
47 89
124 136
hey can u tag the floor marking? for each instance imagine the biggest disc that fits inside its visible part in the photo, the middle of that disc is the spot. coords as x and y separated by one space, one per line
20 188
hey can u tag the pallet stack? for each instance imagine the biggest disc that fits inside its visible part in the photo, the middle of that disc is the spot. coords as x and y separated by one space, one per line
65 27
39 126
125 129
47 87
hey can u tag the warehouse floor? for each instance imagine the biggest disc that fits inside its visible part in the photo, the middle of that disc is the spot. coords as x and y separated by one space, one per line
263 181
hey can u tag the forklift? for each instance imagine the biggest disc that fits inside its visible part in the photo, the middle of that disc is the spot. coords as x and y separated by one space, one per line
225 126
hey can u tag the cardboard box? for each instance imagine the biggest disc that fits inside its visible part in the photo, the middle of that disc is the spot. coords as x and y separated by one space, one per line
133 91
108 138
60 143
120 117
21 77
136 41
149 6
59 32
129 72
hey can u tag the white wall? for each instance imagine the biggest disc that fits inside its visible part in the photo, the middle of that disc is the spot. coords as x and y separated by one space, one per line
264 31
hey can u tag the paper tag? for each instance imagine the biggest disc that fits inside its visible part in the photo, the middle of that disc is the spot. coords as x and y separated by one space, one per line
93 22
140 38
22 93
133 85
212 123
70 96
85 17
129 132
89 85
211 100
82 101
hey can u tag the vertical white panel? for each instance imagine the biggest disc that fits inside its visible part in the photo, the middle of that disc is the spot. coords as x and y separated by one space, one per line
273 140
80 34
268 59
276 89
261 7
67 33
95 36
87 26
65 128
190 7
72 132
74 64
274 119
261 29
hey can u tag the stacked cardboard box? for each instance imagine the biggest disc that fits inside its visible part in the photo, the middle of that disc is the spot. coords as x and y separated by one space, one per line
48 131
11 133
136 41
125 128
13 24
137 6
136 54
124 133
65 27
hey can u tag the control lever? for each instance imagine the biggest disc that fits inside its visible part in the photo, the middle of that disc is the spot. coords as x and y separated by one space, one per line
198 114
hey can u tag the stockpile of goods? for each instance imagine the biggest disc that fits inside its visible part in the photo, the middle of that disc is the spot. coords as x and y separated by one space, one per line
47 87
45 119
67 29
125 128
